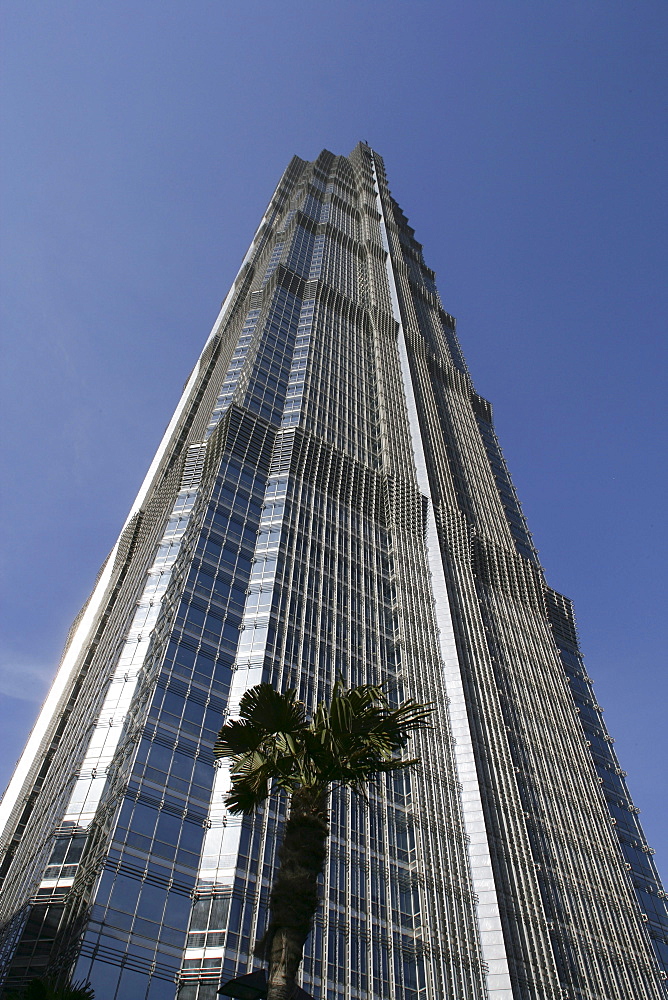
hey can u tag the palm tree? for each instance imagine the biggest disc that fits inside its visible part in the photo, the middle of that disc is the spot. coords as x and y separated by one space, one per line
346 744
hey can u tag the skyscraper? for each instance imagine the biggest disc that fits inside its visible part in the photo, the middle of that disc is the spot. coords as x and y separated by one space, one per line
330 499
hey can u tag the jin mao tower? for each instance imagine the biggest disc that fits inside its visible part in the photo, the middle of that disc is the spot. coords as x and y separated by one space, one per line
329 499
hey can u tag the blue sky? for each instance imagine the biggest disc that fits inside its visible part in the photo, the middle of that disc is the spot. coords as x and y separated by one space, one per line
526 143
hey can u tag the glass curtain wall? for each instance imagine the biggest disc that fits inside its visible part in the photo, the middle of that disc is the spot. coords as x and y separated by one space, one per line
330 500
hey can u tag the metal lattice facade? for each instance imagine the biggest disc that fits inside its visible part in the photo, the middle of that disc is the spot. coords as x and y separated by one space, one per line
330 498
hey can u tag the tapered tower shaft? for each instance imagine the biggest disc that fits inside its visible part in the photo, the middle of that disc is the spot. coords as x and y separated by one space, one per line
330 499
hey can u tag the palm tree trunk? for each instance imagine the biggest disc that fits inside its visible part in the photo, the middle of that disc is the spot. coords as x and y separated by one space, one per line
284 960
294 895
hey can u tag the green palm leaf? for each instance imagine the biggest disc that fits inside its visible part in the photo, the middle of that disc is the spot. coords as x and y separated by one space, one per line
356 736
266 709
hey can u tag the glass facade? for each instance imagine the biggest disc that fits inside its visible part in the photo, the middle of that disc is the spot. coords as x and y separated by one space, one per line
330 499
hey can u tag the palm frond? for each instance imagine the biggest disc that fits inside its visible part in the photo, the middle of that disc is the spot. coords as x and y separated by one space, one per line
348 741
272 711
245 796
359 734
237 737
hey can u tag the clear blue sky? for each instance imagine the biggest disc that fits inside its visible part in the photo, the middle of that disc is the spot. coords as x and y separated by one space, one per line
525 141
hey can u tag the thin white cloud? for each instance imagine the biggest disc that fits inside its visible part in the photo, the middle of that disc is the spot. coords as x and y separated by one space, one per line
23 677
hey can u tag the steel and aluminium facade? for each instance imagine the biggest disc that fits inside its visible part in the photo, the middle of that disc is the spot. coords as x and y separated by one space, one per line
330 498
